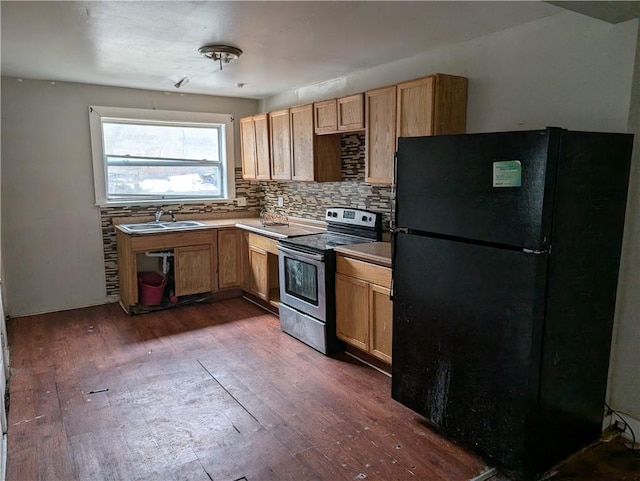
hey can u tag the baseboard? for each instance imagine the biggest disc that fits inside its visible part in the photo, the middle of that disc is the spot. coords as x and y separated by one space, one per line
3 459
368 359
107 300
260 303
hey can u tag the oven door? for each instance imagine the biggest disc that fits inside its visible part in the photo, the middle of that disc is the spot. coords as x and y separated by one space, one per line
303 282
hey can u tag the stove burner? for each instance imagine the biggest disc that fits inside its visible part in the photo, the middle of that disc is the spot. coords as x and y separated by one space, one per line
323 242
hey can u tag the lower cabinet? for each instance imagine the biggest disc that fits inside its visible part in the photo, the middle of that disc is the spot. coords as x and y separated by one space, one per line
381 322
363 307
192 270
352 311
204 261
258 272
262 268
230 272
195 262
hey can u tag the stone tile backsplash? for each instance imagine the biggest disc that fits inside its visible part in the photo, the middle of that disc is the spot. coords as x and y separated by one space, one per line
310 199
301 199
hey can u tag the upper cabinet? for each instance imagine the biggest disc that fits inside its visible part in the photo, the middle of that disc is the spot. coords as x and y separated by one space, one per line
302 136
351 113
432 105
326 117
254 142
248 147
314 158
280 137
336 116
297 143
263 151
380 142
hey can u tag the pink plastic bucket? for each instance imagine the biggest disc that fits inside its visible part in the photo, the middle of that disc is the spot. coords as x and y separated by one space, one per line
151 288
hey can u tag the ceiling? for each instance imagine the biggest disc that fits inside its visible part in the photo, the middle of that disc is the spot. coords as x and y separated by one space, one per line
152 45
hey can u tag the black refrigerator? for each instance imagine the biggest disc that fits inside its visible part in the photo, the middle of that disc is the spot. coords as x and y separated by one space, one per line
506 249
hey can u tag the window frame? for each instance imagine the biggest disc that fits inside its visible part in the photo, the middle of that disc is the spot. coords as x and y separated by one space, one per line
99 113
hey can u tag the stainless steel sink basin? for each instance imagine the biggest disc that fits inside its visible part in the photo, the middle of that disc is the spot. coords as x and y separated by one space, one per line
142 227
160 226
182 223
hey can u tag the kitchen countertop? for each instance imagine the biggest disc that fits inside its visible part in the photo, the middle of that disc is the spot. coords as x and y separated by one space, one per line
295 228
279 231
375 252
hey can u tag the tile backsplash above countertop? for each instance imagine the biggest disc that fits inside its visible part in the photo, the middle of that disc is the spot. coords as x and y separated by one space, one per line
310 199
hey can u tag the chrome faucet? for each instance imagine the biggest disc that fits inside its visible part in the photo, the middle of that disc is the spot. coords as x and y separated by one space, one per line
173 217
158 214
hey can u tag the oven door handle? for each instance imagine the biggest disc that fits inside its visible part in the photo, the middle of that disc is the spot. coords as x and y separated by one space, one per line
315 257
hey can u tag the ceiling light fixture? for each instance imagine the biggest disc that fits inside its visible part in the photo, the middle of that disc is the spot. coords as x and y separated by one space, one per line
181 83
220 53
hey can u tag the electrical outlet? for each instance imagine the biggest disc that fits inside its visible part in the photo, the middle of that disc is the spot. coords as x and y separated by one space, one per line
280 201
619 426
241 201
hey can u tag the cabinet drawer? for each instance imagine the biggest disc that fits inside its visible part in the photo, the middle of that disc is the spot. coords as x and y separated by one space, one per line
156 242
363 270
262 242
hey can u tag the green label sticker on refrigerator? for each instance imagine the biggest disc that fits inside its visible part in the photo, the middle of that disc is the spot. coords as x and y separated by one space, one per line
507 173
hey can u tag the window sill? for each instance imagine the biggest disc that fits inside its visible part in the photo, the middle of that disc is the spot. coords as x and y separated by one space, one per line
164 202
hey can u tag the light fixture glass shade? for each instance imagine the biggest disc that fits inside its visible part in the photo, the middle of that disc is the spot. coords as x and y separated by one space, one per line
220 53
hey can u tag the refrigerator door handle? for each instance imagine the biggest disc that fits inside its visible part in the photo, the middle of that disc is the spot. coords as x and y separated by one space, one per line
393 217
536 252
394 240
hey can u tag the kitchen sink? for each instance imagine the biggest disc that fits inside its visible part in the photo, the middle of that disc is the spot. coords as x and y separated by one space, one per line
161 226
181 223
142 227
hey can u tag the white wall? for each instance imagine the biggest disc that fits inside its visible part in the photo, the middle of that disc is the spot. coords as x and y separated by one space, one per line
566 70
52 243
624 372
569 71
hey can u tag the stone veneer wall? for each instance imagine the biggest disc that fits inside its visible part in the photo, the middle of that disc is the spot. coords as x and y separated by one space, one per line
301 199
310 199
250 190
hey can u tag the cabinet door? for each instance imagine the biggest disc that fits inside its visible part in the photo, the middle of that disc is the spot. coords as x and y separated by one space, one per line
263 156
415 107
352 311
127 271
302 137
193 269
450 105
258 272
248 148
432 105
280 137
381 134
381 322
244 255
326 117
229 258
351 113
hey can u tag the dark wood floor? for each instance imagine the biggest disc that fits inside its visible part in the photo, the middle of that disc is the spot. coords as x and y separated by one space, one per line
218 392
205 392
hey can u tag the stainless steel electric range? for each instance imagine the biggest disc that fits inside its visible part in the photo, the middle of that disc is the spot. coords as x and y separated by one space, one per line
307 275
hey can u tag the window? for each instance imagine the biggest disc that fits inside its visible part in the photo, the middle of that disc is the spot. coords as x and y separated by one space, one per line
144 156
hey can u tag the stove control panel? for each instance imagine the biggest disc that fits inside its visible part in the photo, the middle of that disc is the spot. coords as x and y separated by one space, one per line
352 217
